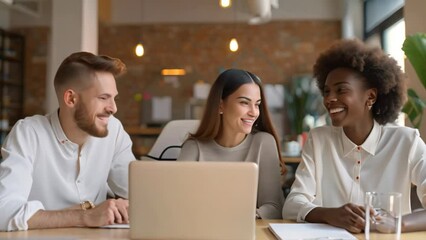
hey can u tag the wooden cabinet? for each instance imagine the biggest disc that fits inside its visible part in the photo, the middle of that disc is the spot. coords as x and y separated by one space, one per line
11 80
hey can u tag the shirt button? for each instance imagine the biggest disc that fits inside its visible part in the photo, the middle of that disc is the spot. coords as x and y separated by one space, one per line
357 177
359 162
359 148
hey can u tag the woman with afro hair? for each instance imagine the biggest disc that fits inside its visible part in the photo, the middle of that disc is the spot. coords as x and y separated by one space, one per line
364 150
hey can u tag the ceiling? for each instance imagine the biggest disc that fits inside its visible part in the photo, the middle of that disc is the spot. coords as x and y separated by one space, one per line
128 12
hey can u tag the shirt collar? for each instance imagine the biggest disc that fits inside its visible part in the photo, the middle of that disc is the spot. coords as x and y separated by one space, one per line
369 145
57 128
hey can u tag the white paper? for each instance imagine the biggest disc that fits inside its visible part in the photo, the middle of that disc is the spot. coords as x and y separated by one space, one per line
161 108
116 226
311 231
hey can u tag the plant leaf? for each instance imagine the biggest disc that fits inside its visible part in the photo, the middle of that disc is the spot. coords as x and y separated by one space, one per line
415 49
414 108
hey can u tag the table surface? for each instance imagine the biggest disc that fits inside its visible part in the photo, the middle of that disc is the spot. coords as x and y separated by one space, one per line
262 233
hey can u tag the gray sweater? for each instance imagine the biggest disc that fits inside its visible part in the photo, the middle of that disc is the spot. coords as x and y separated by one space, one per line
259 148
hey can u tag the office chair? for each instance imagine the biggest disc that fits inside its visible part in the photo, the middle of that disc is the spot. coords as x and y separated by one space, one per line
169 143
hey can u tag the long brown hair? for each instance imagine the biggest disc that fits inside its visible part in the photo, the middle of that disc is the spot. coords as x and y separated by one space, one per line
226 84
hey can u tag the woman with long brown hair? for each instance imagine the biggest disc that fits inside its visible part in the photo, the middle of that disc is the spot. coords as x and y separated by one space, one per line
236 126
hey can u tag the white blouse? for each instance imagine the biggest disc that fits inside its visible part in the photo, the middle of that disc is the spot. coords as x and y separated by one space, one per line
40 170
335 171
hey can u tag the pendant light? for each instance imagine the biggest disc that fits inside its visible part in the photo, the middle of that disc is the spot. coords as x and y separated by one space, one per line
233 44
225 3
139 49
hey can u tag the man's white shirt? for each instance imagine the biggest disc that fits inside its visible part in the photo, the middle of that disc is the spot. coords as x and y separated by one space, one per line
41 169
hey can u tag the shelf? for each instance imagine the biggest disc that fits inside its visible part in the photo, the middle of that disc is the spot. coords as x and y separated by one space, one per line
11 83
142 131
11 59
140 151
13 106
291 159
12 48
143 138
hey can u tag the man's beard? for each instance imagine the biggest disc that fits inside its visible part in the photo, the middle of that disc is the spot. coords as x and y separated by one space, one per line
85 123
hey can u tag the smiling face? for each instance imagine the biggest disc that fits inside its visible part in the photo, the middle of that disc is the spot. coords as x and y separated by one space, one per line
347 98
96 104
240 110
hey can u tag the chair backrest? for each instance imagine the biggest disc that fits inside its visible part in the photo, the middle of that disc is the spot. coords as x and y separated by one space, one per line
169 142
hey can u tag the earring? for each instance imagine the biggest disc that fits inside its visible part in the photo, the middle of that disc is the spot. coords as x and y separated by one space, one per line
370 105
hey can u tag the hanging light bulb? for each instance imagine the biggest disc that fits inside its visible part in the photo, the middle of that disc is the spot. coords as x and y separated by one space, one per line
233 45
139 50
225 3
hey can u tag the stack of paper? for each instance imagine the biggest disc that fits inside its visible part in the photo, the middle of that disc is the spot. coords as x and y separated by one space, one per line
311 231
116 226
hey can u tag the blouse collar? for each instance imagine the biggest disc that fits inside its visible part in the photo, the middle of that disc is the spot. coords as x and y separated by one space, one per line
369 145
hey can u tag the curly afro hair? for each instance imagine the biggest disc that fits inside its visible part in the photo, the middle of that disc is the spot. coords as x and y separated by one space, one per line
379 70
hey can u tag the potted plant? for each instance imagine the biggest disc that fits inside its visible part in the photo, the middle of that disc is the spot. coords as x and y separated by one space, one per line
414 48
303 103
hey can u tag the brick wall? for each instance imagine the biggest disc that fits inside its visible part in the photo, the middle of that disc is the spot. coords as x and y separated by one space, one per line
274 51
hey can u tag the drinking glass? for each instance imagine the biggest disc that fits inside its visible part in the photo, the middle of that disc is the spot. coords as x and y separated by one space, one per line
382 215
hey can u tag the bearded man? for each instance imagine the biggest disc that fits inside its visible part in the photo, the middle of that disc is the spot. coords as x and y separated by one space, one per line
69 168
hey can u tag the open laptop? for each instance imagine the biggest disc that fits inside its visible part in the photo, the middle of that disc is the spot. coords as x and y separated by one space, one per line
192 200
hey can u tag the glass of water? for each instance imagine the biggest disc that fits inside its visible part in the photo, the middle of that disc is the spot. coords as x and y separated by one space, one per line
382 215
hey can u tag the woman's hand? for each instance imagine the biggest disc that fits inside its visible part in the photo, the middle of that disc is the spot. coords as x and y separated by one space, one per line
349 216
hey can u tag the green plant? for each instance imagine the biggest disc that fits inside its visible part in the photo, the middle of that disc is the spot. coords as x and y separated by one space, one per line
414 48
302 99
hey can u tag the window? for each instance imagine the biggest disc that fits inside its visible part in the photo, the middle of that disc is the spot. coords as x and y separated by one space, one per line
387 33
393 38
385 29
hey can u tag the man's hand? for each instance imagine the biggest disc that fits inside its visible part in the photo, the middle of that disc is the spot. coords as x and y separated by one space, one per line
109 212
349 216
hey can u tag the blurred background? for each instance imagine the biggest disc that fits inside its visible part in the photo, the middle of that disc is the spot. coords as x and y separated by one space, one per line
185 45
